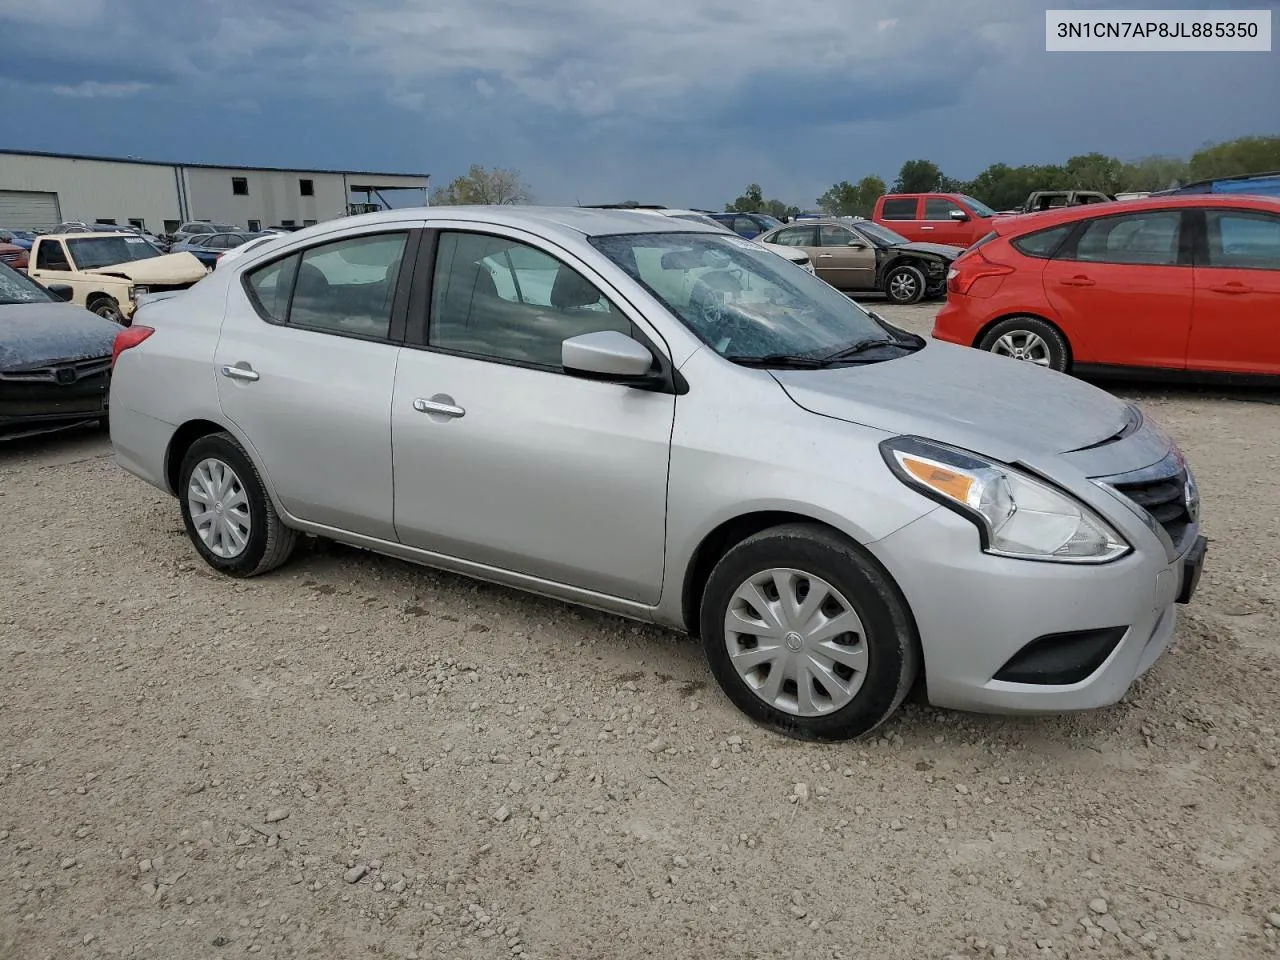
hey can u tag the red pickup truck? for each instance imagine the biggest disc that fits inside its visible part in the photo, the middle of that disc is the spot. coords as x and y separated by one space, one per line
950 218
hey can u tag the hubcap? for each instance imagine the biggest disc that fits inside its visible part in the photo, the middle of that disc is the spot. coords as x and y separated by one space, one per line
796 642
903 286
219 508
1023 345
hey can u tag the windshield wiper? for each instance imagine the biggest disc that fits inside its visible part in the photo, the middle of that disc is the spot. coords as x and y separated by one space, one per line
861 346
792 360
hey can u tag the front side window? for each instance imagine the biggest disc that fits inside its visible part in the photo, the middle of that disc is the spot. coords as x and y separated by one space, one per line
499 299
939 208
51 256
348 286
878 233
1243 240
834 236
899 208
740 299
1149 238
978 207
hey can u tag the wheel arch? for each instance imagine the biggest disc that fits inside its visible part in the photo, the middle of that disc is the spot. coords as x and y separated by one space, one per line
181 442
1032 314
728 534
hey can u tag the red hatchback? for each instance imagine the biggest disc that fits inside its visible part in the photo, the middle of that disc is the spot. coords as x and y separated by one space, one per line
1186 284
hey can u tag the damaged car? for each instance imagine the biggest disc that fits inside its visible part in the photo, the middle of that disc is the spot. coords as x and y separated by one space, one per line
859 256
55 359
107 273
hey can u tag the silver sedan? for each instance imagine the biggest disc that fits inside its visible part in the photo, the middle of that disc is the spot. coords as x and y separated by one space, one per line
653 418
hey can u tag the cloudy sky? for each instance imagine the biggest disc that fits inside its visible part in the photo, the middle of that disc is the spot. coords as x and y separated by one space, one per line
680 102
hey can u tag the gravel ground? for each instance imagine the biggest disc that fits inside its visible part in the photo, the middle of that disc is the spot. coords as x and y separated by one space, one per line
354 756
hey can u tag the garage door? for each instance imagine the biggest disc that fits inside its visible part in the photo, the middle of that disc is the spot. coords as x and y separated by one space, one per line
28 210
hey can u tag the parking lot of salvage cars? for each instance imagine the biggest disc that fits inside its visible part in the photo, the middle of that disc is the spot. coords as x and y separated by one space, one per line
354 754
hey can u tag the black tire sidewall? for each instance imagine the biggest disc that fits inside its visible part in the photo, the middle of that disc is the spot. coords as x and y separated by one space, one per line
1059 348
889 630
919 278
224 448
115 316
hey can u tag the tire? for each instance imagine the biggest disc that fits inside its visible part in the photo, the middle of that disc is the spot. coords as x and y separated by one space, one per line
1029 339
108 309
268 544
904 284
878 659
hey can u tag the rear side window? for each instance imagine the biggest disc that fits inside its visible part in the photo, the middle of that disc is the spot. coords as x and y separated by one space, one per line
795 237
271 287
899 208
1149 238
1042 243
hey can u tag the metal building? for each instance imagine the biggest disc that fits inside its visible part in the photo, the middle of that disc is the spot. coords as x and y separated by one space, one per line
41 190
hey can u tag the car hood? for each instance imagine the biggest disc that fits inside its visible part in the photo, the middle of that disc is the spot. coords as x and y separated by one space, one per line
32 334
940 249
1002 408
170 268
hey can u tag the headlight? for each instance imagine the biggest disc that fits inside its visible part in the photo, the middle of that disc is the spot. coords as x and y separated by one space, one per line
1016 514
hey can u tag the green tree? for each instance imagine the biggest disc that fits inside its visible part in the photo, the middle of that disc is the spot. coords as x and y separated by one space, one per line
1242 155
1153 173
751 201
479 185
1006 188
918 176
844 199
1094 171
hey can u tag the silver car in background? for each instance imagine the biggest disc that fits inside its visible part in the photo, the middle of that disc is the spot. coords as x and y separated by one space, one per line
647 416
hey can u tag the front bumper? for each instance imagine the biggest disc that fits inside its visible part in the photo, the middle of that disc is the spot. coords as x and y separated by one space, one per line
976 612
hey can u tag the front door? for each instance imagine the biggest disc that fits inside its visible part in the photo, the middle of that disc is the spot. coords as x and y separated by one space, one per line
1122 288
845 259
501 458
305 366
941 224
1235 325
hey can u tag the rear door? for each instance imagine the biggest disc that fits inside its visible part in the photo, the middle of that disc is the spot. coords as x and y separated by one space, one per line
1235 324
1122 287
902 214
843 266
305 366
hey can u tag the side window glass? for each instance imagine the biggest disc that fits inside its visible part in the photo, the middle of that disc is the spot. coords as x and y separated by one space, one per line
347 287
1042 243
1242 240
52 256
938 208
899 208
796 237
271 286
1149 238
503 300
833 236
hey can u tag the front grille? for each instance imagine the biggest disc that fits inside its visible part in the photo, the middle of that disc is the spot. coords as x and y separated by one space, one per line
1165 499
82 370
10 257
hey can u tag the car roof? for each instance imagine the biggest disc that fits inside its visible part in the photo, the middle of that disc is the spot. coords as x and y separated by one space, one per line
1018 224
78 235
566 221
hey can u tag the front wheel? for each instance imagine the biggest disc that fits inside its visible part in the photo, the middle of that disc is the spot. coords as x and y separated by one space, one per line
227 512
904 284
108 309
1031 339
806 635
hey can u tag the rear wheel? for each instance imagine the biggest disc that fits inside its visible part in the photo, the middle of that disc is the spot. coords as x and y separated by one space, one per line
904 284
1031 339
806 635
227 512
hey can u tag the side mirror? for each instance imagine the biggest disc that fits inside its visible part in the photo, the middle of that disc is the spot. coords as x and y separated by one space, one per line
61 291
606 355
959 215
857 244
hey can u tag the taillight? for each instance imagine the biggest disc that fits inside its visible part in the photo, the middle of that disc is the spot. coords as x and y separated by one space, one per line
126 338
971 268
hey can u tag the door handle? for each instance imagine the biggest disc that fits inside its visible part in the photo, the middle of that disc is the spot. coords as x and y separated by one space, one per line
926 228
240 372
1076 282
439 408
825 256
1232 288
